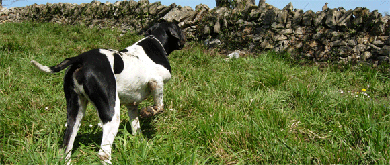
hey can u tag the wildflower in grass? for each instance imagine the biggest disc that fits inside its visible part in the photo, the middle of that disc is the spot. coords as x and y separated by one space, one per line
365 94
364 90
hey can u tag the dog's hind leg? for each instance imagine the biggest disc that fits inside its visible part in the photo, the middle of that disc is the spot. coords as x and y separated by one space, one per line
134 120
110 129
76 108
102 93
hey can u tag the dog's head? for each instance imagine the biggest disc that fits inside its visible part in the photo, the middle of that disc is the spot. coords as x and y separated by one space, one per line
169 34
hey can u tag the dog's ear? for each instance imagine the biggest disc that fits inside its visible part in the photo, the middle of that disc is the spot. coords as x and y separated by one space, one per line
173 30
151 29
148 32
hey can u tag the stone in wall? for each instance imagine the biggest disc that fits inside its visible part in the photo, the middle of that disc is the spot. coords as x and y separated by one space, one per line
241 4
180 14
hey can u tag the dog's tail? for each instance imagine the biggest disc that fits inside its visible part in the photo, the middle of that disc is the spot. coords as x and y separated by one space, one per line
53 69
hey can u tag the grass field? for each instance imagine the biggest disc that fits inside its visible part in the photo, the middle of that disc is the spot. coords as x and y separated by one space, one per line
263 108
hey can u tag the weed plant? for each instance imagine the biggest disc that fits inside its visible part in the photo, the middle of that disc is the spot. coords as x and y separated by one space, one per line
253 110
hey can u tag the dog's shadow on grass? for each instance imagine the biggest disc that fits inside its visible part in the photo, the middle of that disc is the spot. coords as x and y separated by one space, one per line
93 137
147 128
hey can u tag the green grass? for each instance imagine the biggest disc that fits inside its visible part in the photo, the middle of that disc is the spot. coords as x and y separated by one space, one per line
258 109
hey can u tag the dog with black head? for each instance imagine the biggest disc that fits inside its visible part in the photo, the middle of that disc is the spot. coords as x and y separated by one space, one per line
108 78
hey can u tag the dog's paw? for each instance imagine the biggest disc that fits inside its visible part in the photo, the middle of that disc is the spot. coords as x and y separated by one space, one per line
150 111
105 158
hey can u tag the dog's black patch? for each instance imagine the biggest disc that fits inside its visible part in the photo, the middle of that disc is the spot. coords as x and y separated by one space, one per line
124 50
155 51
118 64
61 66
93 71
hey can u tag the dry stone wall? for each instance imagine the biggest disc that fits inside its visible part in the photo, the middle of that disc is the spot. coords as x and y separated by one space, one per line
329 35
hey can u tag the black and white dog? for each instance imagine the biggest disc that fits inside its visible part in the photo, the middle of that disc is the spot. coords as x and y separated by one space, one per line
105 76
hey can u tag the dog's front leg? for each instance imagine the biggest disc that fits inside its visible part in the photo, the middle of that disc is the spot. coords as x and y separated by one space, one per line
134 120
157 89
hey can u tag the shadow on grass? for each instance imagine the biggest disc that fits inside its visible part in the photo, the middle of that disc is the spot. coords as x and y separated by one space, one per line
147 128
93 138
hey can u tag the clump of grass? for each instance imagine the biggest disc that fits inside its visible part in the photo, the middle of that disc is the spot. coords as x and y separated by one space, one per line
259 109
